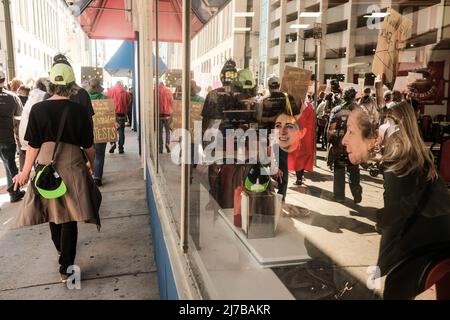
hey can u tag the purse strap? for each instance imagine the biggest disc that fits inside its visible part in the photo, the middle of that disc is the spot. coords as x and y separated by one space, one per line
60 131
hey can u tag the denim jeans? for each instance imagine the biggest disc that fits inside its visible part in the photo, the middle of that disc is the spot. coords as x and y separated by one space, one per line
339 180
121 131
8 156
164 123
65 238
99 161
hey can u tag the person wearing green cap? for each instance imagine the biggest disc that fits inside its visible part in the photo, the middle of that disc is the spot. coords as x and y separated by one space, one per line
95 91
68 123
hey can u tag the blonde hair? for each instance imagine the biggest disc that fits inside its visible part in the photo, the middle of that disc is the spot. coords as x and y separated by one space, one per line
405 151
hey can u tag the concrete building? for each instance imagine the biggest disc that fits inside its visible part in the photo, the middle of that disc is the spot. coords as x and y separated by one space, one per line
41 29
349 39
232 33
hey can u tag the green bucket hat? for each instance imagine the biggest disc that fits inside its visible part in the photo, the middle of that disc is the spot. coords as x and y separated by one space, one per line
62 74
49 184
258 179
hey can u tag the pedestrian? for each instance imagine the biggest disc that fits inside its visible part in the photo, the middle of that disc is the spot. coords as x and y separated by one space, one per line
338 156
51 120
276 104
38 94
121 100
23 93
95 91
165 113
302 159
10 107
415 220
14 85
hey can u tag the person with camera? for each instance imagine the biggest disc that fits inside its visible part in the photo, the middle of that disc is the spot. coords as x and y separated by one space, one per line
337 156
415 220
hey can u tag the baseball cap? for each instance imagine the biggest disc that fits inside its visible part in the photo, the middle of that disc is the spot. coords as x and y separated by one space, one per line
62 74
245 79
2 74
274 81
258 179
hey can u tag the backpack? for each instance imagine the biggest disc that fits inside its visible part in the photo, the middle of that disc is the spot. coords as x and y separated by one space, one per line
337 151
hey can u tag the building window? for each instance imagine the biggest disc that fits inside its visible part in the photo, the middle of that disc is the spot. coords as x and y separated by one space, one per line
337 27
336 53
292 17
291 37
290 58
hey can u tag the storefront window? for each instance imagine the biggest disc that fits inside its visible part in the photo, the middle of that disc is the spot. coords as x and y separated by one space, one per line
277 208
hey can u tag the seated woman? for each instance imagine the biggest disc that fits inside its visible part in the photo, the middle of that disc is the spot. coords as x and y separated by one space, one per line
415 221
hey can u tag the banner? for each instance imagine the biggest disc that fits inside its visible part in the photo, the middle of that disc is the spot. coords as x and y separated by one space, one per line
296 82
395 30
104 121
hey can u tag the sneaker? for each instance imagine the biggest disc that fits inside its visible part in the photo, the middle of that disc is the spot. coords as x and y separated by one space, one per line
113 148
16 197
338 200
121 152
357 199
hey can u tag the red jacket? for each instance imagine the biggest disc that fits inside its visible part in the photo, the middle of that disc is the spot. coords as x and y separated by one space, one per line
303 157
165 101
121 98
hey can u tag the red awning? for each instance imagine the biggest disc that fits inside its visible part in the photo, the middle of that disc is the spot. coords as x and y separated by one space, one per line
107 19
112 19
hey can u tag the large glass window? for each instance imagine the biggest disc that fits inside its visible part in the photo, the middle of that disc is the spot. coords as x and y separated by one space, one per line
278 206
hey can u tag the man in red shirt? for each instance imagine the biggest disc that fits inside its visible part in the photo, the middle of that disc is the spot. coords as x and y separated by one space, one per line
165 112
122 102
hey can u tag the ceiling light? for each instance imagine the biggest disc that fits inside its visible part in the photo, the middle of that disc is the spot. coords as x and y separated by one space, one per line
299 26
244 14
378 15
310 14
242 29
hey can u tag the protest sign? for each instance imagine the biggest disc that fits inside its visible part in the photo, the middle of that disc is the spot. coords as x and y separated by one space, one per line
395 30
296 82
104 121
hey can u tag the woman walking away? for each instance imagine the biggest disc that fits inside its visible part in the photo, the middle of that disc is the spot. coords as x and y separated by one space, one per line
57 128
415 221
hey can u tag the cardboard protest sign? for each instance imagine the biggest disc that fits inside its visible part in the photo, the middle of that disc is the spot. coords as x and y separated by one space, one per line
195 114
104 121
296 82
395 30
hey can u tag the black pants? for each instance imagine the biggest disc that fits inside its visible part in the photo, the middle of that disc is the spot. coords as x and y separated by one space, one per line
283 166
300 175
339 180
65 237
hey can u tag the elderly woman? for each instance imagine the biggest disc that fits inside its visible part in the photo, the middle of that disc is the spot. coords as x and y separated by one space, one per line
49 121
415 220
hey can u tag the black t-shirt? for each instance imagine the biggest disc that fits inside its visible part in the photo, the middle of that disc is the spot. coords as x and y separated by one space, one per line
45 118
10 106
83 98
276 104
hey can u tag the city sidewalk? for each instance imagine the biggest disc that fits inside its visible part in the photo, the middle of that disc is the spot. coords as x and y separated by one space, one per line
117 263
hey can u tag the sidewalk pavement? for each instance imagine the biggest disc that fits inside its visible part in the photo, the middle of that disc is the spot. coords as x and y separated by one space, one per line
117 263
